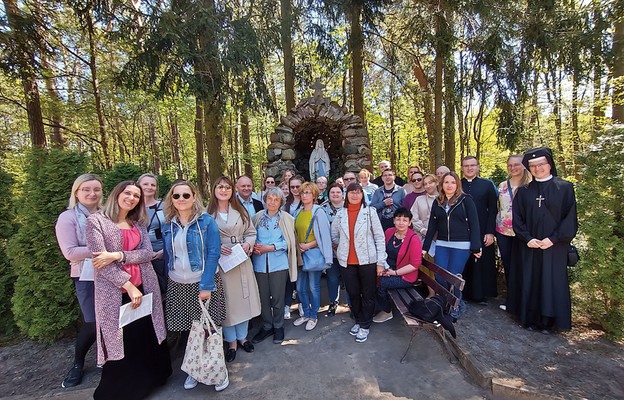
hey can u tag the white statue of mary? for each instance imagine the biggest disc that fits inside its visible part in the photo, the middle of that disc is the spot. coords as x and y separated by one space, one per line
319 161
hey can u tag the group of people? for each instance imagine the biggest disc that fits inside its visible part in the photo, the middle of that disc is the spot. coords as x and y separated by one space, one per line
368 234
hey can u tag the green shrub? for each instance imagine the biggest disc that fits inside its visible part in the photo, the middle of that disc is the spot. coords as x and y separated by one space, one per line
44 303
7 277
120 172
598 280
498 175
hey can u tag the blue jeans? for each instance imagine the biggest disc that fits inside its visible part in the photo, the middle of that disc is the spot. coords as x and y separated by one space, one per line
385 283
454 261
309 291
333 282
236 332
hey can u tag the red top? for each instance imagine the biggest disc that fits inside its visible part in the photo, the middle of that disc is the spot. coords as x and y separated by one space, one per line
409 253
353 210
131 240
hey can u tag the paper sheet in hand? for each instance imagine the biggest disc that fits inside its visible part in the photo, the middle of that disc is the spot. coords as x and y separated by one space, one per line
127 314
238 256
86 274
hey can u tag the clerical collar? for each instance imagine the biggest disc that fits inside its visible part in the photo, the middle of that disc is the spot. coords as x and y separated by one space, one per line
549 177
470 180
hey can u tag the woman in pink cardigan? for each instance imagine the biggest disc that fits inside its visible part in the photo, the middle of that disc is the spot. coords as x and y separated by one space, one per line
135 358
404 252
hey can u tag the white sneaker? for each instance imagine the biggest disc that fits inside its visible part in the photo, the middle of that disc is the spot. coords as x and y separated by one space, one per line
354 329
311 324
300 321
382 316
286 312
190 382
362 335
503 307
224 385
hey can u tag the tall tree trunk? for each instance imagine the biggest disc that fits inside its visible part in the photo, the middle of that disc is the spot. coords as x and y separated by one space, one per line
439 67
598 111
356 45
96 89
286 27
246 142
175 141
576 139
155 156
459 106
26 66
427 107
57 139
393 144
618 65
449 115
202 174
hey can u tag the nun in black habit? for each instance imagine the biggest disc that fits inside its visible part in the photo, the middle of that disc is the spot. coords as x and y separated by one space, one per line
545 222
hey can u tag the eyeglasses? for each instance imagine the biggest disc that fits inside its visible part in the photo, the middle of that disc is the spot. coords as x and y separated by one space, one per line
306 192
470 165
417 180
89 190
176 196
224 187
270 182
348 179
295 187
538 165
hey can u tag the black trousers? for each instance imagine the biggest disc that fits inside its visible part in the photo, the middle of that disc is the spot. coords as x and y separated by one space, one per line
361 284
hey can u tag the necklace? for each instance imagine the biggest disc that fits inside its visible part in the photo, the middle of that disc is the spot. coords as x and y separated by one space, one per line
396 242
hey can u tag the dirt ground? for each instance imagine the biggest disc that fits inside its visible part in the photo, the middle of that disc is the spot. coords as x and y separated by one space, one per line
580 364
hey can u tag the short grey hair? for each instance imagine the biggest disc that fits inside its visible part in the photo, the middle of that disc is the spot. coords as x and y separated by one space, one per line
277 192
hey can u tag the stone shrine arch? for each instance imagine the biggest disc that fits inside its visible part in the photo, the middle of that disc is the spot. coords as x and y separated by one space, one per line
346 139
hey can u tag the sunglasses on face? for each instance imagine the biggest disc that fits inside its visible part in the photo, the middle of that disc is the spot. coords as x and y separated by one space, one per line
176 196
270 182
348 179
295 187
417 180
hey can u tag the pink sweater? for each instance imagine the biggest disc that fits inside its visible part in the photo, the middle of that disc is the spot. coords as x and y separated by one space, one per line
409 253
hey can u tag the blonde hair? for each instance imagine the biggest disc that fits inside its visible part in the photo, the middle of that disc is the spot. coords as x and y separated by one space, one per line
310 186
170 210
149 175
111 207
365 172
73 199
526 175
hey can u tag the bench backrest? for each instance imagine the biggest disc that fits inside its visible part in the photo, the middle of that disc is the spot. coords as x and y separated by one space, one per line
453 280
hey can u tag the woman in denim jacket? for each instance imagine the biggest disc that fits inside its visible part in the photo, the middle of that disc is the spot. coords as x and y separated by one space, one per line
191 253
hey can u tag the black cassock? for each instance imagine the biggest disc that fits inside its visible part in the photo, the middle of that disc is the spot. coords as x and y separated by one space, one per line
480 275
539 291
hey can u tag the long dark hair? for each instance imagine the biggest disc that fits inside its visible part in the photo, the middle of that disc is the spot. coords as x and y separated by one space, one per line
111 207
352 188
290 198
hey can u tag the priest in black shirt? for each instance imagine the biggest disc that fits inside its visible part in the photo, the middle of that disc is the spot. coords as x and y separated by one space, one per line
545 222
480 274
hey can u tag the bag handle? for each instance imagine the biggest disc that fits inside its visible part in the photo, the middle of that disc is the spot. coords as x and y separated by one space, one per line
207 321
310 227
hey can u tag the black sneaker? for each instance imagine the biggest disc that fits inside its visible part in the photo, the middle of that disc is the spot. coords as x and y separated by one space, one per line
278 336
260 336
331 311
74 377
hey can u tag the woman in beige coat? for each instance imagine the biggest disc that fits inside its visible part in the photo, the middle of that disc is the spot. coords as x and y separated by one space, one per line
242 300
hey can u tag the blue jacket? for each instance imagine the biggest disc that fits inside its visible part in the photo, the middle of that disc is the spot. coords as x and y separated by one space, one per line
204 247
377 202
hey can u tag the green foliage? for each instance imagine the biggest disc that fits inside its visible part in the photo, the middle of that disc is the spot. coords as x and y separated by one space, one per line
120 172
164 184
498 175
599 285
7 277
43 302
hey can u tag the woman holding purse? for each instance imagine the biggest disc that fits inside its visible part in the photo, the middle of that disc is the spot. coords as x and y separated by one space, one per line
242 299
191 254
361 253
313 232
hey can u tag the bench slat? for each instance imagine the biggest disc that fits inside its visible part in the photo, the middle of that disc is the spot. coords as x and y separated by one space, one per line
444 274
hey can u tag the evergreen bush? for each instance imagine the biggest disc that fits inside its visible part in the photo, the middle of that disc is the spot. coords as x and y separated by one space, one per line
7 277
120 172
44 303
598 279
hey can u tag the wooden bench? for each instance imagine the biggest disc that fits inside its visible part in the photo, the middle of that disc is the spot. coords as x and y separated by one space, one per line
402 297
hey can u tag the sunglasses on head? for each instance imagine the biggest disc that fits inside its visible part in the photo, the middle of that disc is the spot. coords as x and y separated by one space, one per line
176 196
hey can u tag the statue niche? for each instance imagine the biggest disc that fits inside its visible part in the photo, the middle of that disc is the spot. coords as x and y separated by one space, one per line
294 142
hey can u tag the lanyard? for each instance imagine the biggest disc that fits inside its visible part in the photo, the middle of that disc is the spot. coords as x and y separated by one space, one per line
509 190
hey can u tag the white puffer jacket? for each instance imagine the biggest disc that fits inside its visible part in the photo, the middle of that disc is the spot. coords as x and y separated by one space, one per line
369 240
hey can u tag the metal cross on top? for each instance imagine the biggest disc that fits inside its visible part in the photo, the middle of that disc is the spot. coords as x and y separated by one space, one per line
539 200
318 90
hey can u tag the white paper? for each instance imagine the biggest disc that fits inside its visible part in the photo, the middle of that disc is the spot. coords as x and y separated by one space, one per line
236 258
127 314
87 270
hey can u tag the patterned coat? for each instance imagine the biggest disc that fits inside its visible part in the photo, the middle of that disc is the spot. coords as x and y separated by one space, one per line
242 299
104 235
